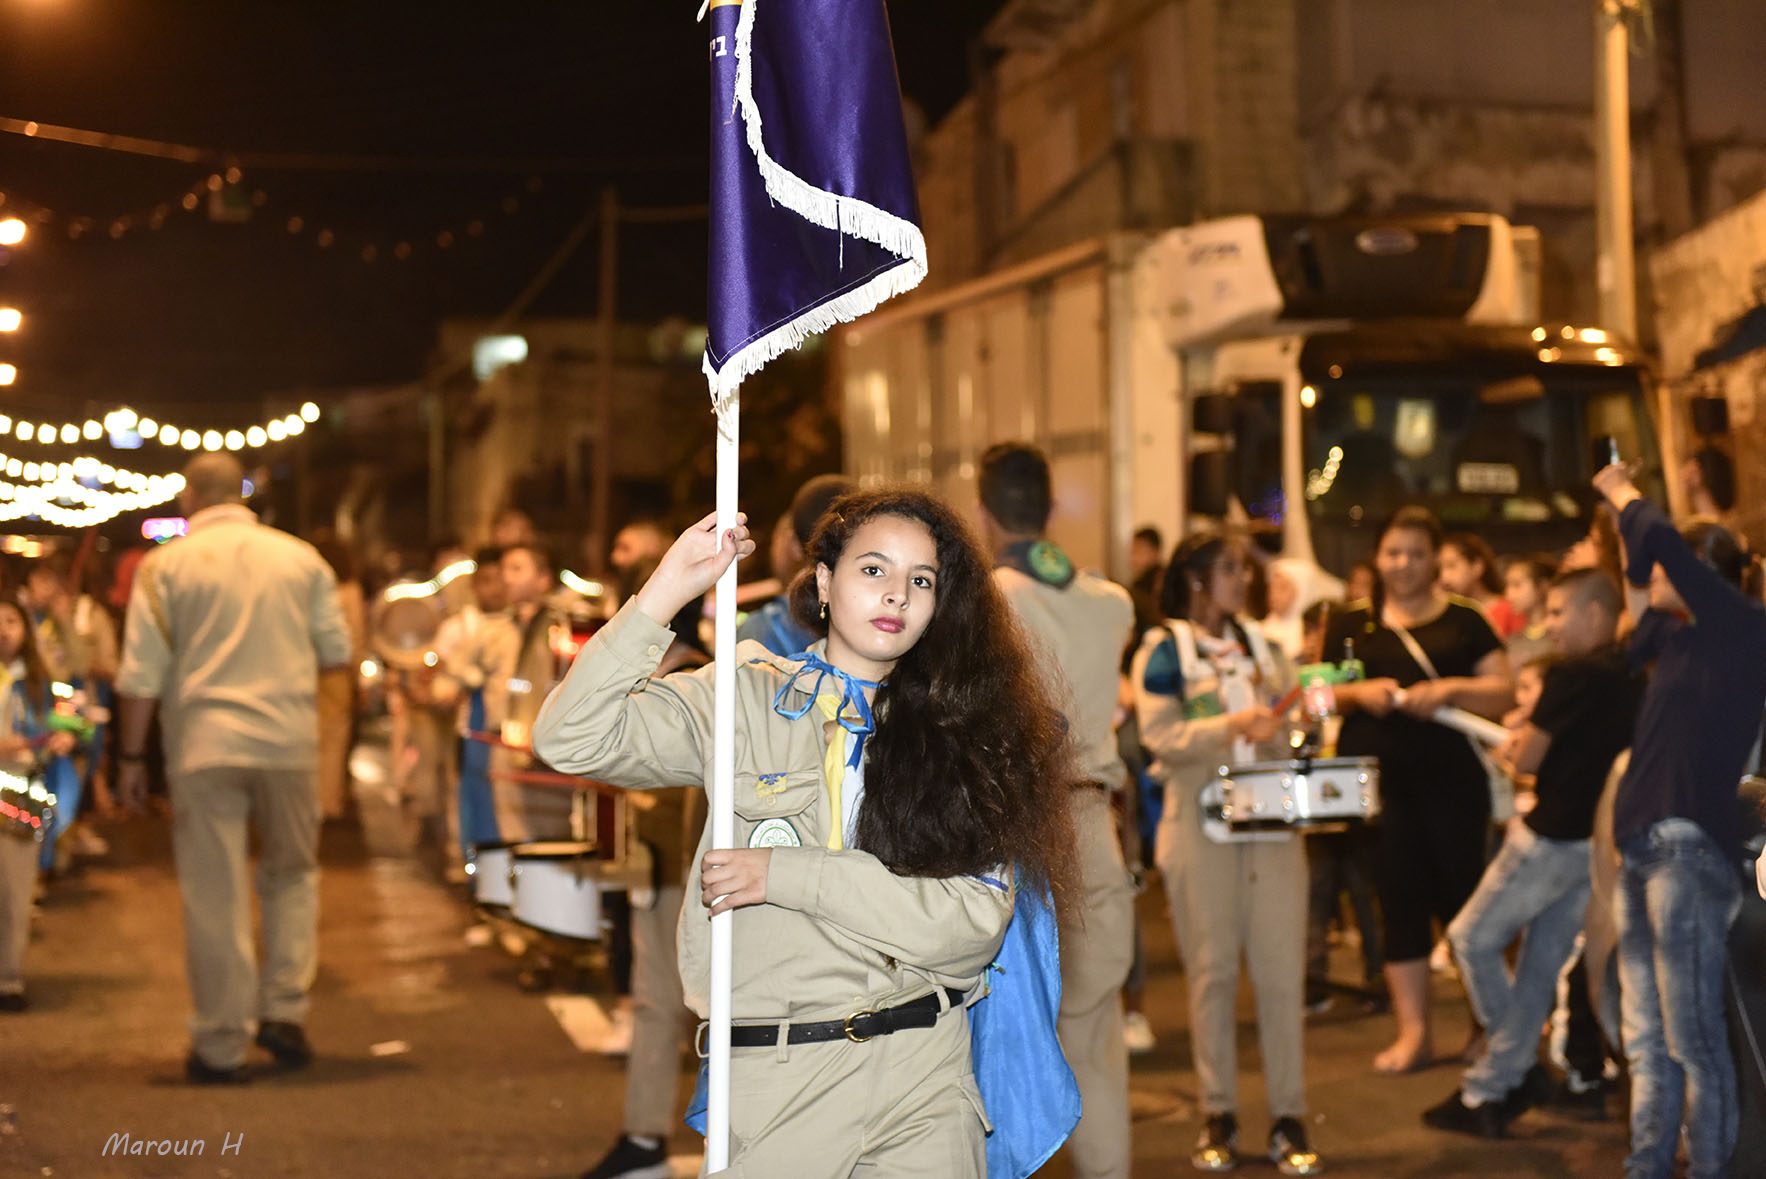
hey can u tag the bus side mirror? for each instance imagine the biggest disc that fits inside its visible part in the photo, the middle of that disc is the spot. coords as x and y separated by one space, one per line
1210 482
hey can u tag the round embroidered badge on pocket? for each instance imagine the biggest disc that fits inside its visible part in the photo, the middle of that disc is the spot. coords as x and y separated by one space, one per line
774 833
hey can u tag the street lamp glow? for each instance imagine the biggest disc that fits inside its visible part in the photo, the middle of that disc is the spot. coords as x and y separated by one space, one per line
309 412
12 231
190 440
255 437
234 439
8 374
211 440
278 430
10 319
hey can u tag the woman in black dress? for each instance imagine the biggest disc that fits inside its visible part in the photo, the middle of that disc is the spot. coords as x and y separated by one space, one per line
1435 791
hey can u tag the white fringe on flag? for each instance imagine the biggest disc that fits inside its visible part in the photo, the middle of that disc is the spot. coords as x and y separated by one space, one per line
830 210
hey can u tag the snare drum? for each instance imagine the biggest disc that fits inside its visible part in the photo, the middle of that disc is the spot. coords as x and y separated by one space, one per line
1277 795
558 889
490 875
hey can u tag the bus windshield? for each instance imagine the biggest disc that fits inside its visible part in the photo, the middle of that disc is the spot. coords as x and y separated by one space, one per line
1508 459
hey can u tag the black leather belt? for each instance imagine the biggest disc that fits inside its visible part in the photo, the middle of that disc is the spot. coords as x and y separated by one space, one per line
857 1027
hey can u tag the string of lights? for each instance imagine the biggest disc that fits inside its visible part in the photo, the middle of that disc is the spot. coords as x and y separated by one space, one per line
63 493
126 423
226 200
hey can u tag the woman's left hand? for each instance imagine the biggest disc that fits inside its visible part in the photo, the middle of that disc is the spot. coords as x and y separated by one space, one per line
1426 698
732 877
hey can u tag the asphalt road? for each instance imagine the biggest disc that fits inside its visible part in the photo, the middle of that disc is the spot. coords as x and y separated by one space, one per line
434 1062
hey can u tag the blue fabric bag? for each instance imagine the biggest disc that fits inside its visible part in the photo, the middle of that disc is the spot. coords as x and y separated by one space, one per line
1026 1085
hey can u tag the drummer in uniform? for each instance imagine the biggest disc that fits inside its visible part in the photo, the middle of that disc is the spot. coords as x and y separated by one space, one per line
525 668
1078 624
1203 686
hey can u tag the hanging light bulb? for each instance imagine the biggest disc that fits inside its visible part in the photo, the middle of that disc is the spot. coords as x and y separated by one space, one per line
234 439
147 427
25 431
70 433
168 435
93 430
190 440
277 430
211 440
255 437
309 412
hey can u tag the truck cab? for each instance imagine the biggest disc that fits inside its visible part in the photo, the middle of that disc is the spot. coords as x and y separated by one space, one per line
1337 370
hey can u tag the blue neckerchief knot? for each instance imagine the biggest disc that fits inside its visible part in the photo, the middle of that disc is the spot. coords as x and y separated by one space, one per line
852 693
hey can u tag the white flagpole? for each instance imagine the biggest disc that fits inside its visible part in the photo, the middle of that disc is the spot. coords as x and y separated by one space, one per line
723 814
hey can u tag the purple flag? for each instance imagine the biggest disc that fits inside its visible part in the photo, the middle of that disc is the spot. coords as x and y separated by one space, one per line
814 219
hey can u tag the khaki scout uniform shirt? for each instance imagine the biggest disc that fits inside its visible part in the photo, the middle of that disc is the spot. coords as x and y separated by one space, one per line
228 627
839 932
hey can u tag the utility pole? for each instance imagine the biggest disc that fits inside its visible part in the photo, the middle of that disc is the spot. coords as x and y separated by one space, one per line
600 509
1616 265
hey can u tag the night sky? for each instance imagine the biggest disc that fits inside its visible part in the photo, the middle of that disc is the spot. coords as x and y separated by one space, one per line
512 115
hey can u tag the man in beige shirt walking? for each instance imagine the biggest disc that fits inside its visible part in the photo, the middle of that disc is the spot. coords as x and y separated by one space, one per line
227 630
1078 624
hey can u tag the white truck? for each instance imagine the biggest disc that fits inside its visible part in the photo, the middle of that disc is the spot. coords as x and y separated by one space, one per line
1304 377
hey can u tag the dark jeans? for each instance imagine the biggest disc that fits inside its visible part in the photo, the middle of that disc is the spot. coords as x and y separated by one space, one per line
1678 894
1747 1029
1339 862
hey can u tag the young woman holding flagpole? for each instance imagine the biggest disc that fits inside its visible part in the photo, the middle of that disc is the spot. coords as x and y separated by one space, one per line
888 784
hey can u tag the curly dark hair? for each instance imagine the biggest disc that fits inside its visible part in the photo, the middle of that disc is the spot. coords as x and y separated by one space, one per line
970 767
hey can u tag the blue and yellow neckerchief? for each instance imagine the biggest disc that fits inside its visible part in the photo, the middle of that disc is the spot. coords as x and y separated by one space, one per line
853 710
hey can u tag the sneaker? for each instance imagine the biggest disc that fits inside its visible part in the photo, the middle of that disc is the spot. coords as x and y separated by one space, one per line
1218 1147
1535 1089
1137 1034
628 1160
1319 1001
1289 1150
1480 1121
200 1072
286 1042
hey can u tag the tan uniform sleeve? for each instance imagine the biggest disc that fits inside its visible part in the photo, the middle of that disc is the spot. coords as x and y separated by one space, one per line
610 721
948 925
147 652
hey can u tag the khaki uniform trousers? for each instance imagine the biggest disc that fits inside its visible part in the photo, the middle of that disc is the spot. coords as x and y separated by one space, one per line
211 810
337 705
660 1018
1230 900
903 1106
18 876
1095 961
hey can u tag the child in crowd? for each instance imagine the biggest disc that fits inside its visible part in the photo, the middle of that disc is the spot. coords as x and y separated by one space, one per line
28 749
1524 581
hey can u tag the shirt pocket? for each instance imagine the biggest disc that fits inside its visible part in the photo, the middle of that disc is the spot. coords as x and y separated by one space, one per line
774 810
